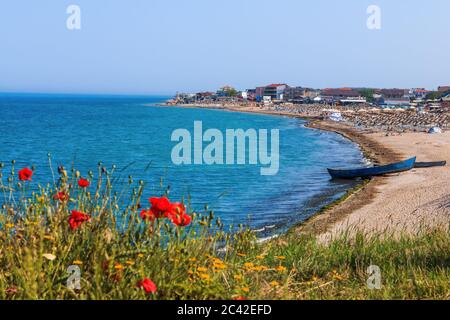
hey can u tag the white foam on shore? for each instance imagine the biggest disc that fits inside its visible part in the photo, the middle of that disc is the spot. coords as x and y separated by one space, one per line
262 240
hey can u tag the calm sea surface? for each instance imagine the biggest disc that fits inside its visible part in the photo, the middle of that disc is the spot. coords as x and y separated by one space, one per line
135 136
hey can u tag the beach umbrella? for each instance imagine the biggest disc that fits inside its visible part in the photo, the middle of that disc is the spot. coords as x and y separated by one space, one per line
336 116
435 130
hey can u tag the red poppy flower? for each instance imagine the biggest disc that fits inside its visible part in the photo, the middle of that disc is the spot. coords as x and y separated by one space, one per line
77 219
11 290
25 174
148 285
181 220
160 205
177 214
61 196
83 183
148 215
177 208
240 298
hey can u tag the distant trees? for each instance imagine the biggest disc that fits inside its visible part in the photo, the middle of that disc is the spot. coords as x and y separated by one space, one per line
367 93
227 91
232 92
435 95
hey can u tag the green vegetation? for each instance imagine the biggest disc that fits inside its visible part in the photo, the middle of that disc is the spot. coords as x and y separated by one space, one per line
368 94
232 92
115 249
435 95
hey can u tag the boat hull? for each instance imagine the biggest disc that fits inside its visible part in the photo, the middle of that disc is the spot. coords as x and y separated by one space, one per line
430 164
372 171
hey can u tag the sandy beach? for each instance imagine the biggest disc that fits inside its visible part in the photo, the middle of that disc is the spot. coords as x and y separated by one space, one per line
406 201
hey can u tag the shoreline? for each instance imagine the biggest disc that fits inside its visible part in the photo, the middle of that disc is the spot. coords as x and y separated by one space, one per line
364 208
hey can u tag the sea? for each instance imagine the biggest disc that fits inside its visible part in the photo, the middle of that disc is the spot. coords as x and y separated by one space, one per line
134 134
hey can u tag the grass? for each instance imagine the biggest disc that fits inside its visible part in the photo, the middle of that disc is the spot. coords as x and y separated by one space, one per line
116 250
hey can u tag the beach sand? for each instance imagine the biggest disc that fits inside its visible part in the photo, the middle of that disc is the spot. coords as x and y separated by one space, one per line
406 201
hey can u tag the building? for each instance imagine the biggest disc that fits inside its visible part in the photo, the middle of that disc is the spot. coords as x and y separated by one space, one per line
275 91
249 94
352 101
340 93
397 102
418 93
444 88
394 93
294 94
259 93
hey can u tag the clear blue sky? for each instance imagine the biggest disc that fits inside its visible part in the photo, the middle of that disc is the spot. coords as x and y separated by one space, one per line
163 46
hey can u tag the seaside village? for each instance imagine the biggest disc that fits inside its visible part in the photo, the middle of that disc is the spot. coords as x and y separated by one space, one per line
393 110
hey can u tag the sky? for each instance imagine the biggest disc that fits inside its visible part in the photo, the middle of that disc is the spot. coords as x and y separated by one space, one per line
165 46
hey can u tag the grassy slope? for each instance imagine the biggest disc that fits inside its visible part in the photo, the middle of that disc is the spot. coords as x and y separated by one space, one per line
37 248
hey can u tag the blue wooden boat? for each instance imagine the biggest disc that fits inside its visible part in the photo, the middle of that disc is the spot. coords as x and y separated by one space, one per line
372 171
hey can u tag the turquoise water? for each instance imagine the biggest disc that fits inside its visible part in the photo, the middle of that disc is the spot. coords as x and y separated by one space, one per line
136 137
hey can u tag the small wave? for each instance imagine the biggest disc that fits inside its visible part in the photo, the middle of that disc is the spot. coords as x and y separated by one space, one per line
265 228
262 240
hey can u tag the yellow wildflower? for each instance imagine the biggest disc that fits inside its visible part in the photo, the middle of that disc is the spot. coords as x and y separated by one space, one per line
118 266
129 262
241 254
192 259
47 237
259 257
280 257
140 255
245 289
338 277
248 265
204 276
202 269
9 225
237 277
220 265
274 284
77 262
281 268
260 268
